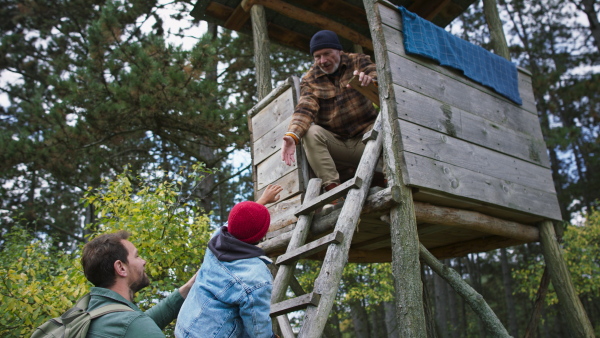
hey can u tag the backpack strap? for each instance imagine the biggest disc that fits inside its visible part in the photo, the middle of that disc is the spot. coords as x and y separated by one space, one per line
83 302
101 311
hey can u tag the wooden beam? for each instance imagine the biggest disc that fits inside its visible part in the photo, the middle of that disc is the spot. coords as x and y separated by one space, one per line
311 18
237 19
362 256
277 33
337 8
477 245
428 9
285 273
427 213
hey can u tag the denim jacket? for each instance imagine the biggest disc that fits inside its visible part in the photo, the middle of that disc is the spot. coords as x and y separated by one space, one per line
231 297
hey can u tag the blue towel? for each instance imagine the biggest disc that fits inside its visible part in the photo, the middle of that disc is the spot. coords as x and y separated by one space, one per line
423 38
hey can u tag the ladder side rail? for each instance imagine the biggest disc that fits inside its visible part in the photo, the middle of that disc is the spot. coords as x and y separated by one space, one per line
327 283
300 233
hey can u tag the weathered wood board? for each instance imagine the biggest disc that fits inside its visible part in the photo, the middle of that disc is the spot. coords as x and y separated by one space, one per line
462 139
436 175
268 122
426 142
273 114
440 116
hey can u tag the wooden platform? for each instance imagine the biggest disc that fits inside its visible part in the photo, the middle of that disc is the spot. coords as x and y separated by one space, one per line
445 231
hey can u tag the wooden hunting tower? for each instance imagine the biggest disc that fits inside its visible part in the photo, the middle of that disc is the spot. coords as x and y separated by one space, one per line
467 168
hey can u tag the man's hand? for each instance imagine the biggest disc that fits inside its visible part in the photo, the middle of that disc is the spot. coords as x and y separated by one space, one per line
364 79
185 289
270 195
288 149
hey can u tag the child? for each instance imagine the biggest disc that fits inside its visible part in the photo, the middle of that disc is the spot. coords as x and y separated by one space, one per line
232 293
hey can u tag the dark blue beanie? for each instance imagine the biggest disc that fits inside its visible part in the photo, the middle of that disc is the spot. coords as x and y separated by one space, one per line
324 39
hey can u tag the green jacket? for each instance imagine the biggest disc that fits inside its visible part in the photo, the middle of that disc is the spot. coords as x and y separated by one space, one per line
135 323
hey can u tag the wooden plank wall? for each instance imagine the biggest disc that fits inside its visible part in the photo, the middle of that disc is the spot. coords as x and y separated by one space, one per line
461 139
268 122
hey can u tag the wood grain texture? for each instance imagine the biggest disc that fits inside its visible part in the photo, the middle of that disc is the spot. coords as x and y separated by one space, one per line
426 142
278 110
272 169
454 180
440 116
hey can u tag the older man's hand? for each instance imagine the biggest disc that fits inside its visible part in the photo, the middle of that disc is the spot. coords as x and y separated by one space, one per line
288 149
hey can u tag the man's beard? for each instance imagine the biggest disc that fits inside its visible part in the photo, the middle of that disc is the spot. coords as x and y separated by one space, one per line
331 72
140 283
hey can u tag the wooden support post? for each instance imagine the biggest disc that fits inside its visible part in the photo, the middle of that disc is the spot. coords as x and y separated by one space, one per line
577 319
262 53
405 240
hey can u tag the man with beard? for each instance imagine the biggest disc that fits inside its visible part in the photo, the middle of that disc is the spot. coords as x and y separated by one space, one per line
331 116
113 265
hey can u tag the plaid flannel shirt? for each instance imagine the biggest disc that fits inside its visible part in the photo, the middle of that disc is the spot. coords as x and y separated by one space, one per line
326 101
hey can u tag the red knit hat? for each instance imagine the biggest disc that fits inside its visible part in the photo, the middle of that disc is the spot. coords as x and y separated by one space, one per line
248 221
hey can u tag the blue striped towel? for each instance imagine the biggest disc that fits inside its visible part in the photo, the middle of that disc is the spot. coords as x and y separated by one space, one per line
423 38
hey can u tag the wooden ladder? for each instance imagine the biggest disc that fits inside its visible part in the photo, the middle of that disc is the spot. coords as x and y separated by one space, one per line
319 302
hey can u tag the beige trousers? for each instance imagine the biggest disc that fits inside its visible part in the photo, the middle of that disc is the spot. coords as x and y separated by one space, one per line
324 149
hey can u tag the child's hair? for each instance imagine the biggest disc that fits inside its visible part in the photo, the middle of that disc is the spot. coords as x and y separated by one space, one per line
248 221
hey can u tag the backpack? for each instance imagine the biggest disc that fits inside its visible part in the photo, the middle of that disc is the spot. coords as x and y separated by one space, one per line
76 321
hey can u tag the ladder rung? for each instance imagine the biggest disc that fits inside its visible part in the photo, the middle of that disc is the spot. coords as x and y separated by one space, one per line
329 196
310 248
295 304
370 135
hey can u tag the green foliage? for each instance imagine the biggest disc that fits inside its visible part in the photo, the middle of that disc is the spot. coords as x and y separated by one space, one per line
37 282
170 233
369 284
582 255
169 230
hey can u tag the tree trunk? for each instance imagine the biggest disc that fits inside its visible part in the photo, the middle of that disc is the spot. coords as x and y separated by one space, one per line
511 310
538 305
441 305
391 324
360 320
475 277
452 311
587 6
427 305
332 330
377 321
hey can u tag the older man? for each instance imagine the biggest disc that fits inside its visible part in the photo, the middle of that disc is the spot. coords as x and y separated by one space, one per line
331 116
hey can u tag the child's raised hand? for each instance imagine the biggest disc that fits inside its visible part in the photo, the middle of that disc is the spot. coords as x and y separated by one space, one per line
270 195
